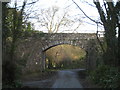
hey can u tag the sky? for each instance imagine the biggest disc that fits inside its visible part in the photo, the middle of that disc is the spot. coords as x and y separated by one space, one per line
87 26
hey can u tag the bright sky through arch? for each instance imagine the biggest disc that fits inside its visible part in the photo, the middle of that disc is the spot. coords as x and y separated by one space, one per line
87 26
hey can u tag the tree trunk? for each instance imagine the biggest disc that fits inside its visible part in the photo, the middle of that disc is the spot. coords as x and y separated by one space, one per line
118 44
110 37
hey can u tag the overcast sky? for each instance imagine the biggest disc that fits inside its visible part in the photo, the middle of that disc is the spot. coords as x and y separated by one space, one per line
87 26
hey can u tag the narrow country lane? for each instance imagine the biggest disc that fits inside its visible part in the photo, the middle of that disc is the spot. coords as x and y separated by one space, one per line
63 79
67 79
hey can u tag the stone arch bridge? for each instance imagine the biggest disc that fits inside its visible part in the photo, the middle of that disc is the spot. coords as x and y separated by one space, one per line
33 48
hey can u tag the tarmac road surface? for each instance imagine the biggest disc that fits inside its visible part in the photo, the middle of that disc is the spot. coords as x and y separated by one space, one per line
67 79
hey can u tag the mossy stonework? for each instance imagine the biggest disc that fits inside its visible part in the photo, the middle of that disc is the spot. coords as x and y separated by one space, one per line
32 48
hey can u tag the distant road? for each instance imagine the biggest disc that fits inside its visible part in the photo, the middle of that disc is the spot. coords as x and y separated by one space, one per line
67 79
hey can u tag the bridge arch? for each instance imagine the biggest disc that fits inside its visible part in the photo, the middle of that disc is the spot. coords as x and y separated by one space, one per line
36 46
81 40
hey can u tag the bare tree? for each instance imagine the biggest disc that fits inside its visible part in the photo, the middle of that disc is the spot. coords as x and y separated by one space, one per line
109 13
53 20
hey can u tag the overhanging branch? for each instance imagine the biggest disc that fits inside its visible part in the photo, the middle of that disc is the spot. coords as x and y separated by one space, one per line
85 13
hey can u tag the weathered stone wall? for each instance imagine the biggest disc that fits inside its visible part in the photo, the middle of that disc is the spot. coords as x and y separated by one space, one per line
32 49
29 50
76 39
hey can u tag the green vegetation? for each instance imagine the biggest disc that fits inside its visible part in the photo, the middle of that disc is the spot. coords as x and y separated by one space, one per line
65 57
106 76
14 27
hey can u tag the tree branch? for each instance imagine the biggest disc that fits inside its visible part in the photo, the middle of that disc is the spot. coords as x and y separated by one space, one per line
85 13
28 3
101 12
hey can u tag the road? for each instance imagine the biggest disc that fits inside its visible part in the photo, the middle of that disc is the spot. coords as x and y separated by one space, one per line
67 79
64 79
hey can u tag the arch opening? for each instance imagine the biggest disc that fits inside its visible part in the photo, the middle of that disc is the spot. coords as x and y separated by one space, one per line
65 56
